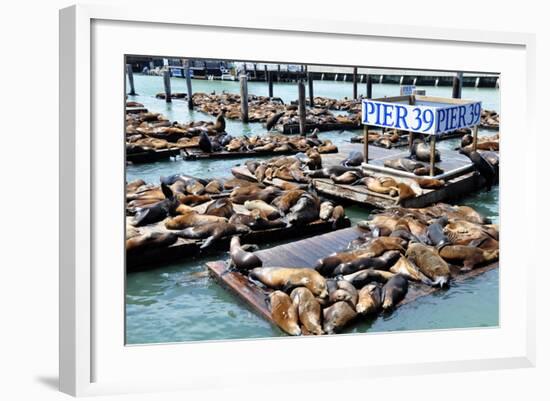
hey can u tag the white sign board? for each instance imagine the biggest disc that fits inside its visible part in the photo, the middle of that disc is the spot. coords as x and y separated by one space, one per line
432 118
407 90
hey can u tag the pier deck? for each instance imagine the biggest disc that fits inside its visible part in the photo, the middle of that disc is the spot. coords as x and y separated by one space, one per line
304 254
152 155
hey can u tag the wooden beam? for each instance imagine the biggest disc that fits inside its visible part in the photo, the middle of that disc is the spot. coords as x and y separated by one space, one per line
457 86
188 82
474 145
355 82
302 107
244 98
167 89
130 73
366 143
369 86
310 87
432 155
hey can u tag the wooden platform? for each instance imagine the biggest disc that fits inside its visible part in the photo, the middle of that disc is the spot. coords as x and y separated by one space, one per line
198 155
136 110
304 254
289 129
186 248
152 155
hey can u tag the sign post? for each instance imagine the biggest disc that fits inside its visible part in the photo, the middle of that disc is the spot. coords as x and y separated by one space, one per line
422 114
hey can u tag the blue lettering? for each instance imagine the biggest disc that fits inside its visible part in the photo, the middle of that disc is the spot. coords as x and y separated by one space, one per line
453 113
400 117
388 109
461 115
378 114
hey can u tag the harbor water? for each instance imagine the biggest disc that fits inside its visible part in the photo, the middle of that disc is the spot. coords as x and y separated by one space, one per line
180 302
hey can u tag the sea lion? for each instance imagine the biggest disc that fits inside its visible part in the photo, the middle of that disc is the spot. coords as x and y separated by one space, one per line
304 211
468 256
337 316
347 178
205 144
436 233
241 259
261 222
406 268
363 277
344 285
370 300
213 187
338 217
404 192
309 310
462 232
377 246
192 200
150 240
288 278
219 125
375 185
326 209
411 166
366 262
222 207
194 187
421 151
288 199
485 169
430 263
284 313
326 172
191 219
270 211
429 183
394 291
272 121
134 185
158 211
212 232
354 159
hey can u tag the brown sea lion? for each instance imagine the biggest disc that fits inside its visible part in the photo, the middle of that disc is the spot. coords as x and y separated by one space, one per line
270 211
134 185
131 232
287 278
374 185
336 316
347 178
150 240
233 183
406 268
183 209
309 310
421 151
338 217
192 200
467 255
377 246
212 231
285 185
222 207
462 232
284 313
191 219
429 263
429 183
367 262
394 291
286 200
370 300
305 210
213 187
241 259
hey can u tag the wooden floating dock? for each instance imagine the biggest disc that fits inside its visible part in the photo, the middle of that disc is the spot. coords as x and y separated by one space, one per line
198 155
152 155
304 254
136 110
186 248
289 129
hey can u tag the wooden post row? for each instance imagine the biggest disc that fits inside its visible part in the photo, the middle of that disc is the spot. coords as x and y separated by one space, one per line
188 82
302 107
130 73
310 89
244 98
355 82
167 89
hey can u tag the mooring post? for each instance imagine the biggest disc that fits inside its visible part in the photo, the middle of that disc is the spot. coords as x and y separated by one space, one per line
130 74
188 82
255 71
310 89
432 155
355 82
244 98
475 138
265 72
366 143
167 89
457 85
270 83
412 101
369 86
278 72
302 107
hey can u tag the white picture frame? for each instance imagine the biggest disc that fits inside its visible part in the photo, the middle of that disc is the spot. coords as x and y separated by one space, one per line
93 357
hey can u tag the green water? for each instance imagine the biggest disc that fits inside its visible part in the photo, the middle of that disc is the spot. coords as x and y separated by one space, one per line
179 302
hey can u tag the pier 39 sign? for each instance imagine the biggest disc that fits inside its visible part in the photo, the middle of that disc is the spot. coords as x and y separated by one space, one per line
432 116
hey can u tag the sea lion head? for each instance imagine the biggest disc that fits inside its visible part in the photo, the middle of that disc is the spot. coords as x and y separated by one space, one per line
466 140
317 286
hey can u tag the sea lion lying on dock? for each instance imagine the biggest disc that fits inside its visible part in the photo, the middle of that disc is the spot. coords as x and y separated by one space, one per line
309 310
152 240
287 278
370 300
336 316
485 169
347 178
270 212
284 312
394 291
382 262
305 210
421 151
222 207
212 232
411 166
363 277
158 211
430 263
468 256
326 172
192 219
287 200
354 159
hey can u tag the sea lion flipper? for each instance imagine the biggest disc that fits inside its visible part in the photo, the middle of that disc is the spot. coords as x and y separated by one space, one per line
166 190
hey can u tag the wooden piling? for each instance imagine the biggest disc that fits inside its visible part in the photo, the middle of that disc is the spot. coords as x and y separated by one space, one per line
270 83
244 98
432 155
369 86
167 89
302 107
278 72
474 145
265 73
355 82
255 71
412 101
188 82
457 86
310 88
130 74
366 143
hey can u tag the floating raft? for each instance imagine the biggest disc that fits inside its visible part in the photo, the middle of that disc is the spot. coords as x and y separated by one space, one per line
305 253
136 110
185 248
152 155
289 129
199 155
